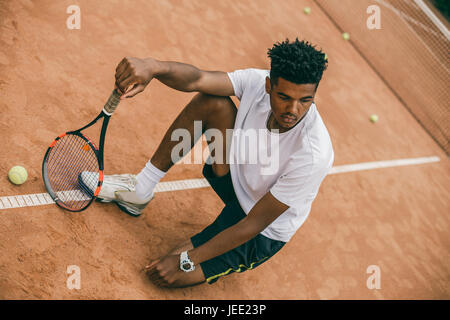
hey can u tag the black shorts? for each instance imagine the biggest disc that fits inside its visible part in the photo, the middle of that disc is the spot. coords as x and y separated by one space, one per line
245 257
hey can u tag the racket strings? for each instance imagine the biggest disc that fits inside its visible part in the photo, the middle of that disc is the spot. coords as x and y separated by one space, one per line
67 189
70 157
66 173
61 151
68 169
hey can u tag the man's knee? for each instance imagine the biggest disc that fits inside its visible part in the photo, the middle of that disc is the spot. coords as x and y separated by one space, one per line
221 169
217 106
221 115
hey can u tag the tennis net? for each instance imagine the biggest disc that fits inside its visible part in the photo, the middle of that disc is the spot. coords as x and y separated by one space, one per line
410 52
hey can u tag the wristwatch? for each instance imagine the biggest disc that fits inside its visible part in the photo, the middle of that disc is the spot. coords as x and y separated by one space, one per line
186 264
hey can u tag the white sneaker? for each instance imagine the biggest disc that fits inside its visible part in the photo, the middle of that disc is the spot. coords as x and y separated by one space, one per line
130 203
118 188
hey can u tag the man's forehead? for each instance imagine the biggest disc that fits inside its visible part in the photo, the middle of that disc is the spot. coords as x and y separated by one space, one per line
293 89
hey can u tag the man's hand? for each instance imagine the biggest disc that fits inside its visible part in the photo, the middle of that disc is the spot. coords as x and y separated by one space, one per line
164 271
133 75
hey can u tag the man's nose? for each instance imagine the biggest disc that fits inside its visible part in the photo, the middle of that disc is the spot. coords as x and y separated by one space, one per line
292 107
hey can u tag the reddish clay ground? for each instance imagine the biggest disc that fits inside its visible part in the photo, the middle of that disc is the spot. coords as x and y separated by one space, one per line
53 79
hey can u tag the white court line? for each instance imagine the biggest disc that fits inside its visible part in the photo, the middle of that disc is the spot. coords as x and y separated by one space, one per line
40 199
382 164
430 14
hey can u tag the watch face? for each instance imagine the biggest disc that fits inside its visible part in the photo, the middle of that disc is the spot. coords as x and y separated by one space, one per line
186 266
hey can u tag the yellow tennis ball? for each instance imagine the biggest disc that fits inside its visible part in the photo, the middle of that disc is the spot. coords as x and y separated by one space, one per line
18 175
307 10
346 36
374 118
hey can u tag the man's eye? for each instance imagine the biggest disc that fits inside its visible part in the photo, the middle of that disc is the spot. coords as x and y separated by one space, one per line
284 98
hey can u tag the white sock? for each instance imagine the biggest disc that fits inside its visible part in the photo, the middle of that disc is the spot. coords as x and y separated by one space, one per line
147 179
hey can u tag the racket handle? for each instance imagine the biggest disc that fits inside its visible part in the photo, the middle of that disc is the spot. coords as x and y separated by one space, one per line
112 103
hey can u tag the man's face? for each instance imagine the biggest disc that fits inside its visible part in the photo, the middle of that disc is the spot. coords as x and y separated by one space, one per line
289 102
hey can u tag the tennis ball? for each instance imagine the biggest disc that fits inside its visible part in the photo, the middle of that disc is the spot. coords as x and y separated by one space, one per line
374 118
17 175
346 36
326 57
307 10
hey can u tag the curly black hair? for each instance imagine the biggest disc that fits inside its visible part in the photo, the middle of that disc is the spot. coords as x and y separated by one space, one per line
298 62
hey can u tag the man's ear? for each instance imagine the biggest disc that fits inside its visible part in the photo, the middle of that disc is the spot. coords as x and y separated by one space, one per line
268 85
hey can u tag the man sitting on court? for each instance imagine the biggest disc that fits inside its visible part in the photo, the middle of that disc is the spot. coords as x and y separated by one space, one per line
263 209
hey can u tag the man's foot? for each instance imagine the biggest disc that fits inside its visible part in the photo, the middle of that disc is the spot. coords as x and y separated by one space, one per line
130 203
118 188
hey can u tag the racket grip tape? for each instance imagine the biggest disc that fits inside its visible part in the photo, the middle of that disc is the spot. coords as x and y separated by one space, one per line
112 103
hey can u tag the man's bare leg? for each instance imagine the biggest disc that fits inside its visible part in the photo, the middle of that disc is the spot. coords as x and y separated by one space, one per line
214 112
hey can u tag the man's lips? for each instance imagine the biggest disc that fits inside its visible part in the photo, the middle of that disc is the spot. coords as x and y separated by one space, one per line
288 119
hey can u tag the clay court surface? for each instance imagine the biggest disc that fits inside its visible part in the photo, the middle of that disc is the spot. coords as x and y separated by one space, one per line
53 79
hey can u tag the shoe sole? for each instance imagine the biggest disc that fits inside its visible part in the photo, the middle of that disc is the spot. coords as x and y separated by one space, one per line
121 207
125 209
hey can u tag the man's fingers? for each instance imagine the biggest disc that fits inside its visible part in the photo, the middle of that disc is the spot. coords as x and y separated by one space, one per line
121 74
120 77
130 94
121 88
160 283
156 278
122 65
158 275
126 84
129 83
152 265
151 270
153 275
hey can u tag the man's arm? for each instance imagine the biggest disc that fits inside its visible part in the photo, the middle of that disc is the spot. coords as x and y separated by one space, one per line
265 211
166 270
134 74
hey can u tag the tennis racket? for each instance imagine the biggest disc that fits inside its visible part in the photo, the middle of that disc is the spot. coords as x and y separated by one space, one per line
73 165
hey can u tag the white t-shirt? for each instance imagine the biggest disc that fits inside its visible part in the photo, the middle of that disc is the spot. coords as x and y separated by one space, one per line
291 165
